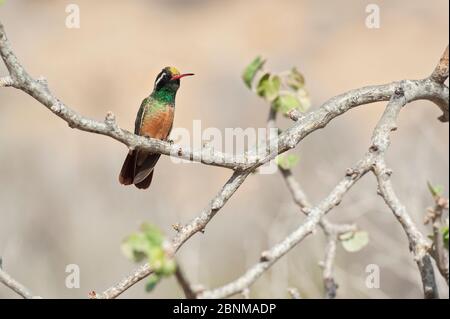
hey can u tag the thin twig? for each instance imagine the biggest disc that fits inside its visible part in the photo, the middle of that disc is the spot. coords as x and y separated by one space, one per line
332 233
330 285
184 233
6 81
331 230
440 73
269 257
420 89
184 283
417 241
435 216
419 245
431 88
14 285
294 293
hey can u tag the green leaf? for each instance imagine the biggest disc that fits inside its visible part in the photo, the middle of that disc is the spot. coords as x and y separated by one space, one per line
168 268
287 162
354 241
146 243
156 258
136 247
435 190
268 86
445 235
286 102
152 281
153 234
295 79
251 70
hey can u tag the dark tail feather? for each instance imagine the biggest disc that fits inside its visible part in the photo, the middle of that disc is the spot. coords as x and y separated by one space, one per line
146 182
126 175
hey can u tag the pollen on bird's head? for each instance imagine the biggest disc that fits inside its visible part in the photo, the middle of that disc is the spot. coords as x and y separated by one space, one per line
169 79
165 77
172 70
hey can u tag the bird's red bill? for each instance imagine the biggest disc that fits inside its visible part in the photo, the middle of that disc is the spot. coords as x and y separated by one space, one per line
179 76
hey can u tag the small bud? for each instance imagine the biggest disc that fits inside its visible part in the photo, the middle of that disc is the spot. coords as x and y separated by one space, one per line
399 91
373 148
177 227
110 119
306 210
294 114
349 172
265 256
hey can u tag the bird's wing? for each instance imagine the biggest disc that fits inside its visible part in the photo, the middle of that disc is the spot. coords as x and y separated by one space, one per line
140 116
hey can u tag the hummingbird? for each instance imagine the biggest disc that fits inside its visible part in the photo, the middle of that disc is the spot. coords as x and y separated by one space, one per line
154 119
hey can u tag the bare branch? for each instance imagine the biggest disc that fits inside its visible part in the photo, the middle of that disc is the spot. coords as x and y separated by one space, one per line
440 73
269 257
294 293
184 283
380 143
6 81
332 232
14 285
438 251
419 245
431 89
184 233
418 242
246 293
329 283
420 89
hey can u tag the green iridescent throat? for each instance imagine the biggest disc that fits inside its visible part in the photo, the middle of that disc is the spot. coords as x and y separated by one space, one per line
165 95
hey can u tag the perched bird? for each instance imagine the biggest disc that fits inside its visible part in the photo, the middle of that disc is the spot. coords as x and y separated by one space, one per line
154 119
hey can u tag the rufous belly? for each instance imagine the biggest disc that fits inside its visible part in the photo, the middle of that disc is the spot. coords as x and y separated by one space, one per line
158 123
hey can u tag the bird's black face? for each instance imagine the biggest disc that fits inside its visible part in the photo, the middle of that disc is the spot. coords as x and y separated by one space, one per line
169 79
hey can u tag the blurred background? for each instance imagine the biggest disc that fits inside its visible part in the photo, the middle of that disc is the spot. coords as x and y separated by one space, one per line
60 200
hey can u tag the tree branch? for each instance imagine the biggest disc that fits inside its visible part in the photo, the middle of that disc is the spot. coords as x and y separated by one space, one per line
380 143
14 285
332 232
419 245
269 257
6 81
188 290
329 283
440 73
431 89
420 89
198 224
418 242
438 251
294 293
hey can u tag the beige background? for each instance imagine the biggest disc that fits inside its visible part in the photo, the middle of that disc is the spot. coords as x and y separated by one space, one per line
60 202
